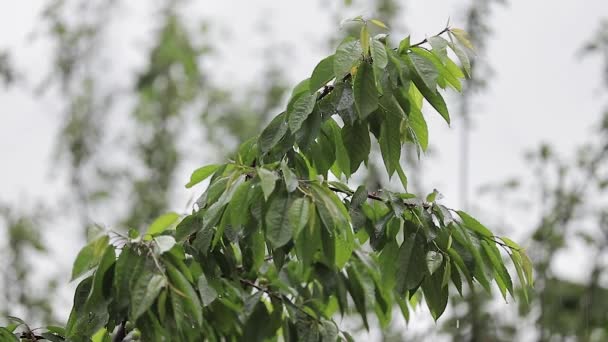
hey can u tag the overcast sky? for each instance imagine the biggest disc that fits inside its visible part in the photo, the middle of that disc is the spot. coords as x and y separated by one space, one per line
542 92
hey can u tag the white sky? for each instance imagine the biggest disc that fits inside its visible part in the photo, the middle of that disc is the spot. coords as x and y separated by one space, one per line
541 90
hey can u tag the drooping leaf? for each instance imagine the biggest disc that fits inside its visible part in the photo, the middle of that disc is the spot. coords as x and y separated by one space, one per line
357 143
301 109
145 291
323 73
278 229
268 180
430 94
463 37
434 259
273 133
299 214
364 90
291 180
207 292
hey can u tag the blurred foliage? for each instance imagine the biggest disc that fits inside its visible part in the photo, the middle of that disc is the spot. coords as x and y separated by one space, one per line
24 291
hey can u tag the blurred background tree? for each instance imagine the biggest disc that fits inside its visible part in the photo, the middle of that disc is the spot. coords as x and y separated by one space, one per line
121 152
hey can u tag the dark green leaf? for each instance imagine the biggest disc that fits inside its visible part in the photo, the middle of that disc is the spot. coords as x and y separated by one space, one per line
273 133
299 214
364 90
145 291
323 73
278 230
357 143
301 109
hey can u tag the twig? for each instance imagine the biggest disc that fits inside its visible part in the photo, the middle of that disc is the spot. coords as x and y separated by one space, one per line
446 29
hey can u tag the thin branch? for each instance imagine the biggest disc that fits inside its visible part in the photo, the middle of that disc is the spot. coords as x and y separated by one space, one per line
425 40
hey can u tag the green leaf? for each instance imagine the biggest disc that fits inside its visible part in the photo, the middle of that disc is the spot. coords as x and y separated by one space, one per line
390 138
278 229
162 223
435 294
379 55
6 335
145 291
503 279
299 214
463 58
418 124
433 261
291 180
364 90
323 73
186 294
89 256
462 37
364 39
268 180
425 69
357 143
301 109
439 46
430 94
201 174
207 292
238 206
357 292
404 45
473 224
411 266
342 160
378 23
273 133
527 266
347 54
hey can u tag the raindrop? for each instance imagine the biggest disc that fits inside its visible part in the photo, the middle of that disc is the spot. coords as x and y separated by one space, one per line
457 324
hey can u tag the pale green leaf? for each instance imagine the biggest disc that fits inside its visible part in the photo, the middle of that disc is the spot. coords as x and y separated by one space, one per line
162 223
433 261
364 39
378 23
201 174
268 180
207 292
